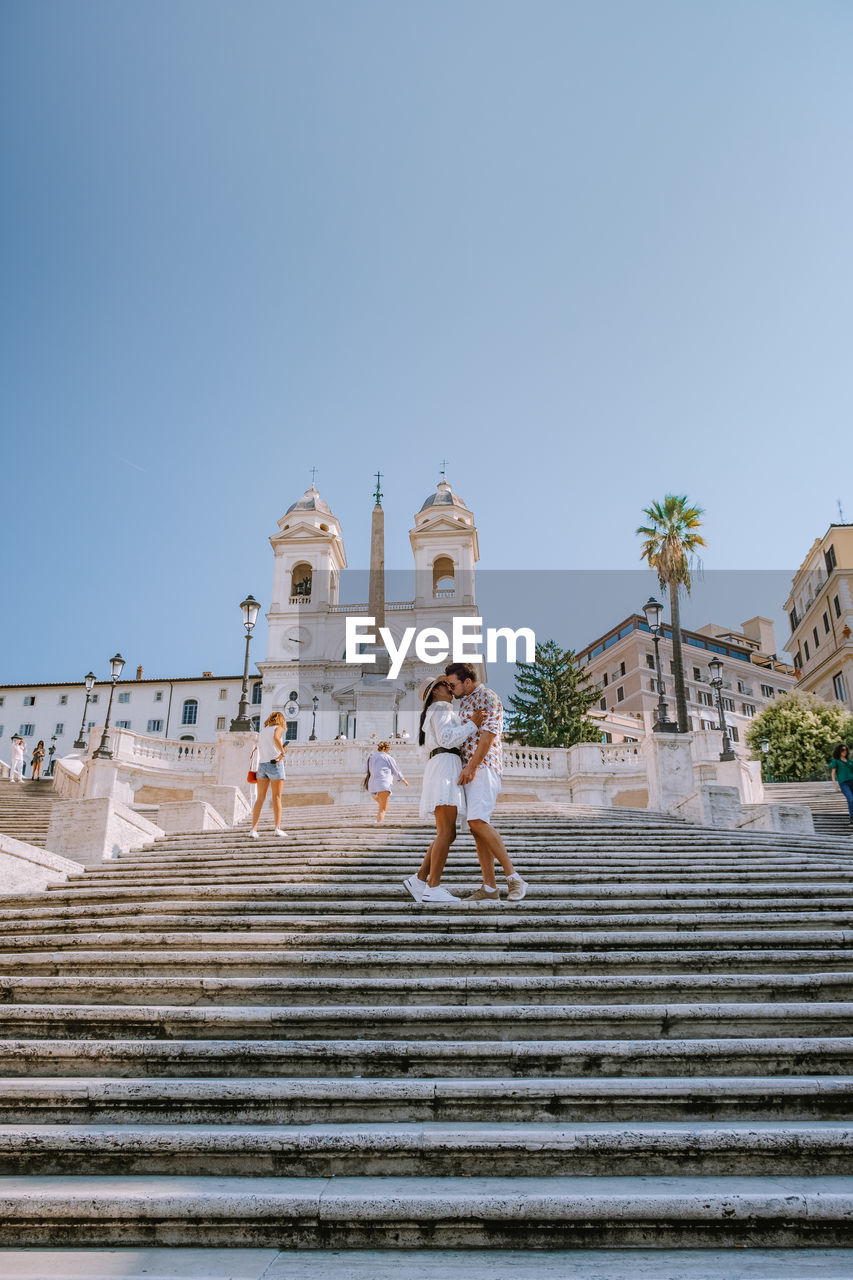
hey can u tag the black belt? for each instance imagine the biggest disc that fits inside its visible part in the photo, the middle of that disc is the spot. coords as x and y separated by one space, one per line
445 751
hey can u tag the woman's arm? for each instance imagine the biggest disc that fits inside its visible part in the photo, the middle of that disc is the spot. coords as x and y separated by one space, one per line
449 729
278 742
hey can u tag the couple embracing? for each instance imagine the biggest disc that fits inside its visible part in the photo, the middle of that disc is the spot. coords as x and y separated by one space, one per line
462 776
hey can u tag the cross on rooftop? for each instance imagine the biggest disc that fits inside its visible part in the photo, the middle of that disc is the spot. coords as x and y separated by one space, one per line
378 494
313 477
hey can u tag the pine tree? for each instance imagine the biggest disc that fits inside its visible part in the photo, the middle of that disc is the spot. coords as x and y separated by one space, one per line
553 695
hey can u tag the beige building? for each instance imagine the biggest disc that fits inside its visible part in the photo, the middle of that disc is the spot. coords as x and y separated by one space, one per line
820 610
622 664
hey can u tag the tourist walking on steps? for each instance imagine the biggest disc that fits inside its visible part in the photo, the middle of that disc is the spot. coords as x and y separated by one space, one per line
382 773
38 759
442 732
270 771
17 770
482 766
842 773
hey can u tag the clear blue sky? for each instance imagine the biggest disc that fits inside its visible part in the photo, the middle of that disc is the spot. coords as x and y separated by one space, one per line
591 253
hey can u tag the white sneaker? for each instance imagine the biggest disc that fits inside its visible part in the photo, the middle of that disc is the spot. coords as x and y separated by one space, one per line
517 887
416 887
438 894
253 833
278 832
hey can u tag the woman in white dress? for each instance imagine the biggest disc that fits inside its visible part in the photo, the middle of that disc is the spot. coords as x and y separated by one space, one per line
442 732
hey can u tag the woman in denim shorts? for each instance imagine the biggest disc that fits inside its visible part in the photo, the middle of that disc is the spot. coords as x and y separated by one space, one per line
270 771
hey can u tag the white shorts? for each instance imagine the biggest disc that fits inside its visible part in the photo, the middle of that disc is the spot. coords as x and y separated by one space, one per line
481 794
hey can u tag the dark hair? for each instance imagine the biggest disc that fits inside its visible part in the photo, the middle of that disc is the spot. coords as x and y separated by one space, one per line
427 705
836 751
461 670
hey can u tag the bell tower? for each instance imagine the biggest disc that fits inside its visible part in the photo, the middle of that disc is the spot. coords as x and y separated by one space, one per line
445 547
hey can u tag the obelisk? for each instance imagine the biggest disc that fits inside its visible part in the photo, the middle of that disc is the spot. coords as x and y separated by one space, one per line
376 698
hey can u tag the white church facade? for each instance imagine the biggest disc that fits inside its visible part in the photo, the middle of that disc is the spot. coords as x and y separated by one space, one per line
306 639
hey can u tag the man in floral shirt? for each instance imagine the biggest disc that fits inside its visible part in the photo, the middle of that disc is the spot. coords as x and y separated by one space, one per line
482 766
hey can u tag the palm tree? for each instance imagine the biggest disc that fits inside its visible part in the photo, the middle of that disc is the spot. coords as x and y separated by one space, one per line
669 538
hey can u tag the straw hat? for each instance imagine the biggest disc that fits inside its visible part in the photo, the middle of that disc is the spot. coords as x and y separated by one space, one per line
428 686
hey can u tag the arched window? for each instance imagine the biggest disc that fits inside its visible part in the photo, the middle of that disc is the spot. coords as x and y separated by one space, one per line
443 577
300 581
257 690
256 723
190 711
187 737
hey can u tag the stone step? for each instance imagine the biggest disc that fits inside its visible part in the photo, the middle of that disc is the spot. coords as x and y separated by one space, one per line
353 962
335 1213
389 894
432 1149
427 1264
493 934
419 923
426 989
534 910
431 1022
744 1055
454 879
312 1101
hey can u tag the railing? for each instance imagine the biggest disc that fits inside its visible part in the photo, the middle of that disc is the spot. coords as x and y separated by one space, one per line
527 760
170 753
299 600
621 753
5 769
444 593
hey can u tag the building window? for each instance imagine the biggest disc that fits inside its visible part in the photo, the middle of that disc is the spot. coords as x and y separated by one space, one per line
816 639
189 715
2 700
187 737
650 660
605 680
94 697
220 724
27 730
122 724
806 649
257 693
223 694
63 699
290 735
602 703
826 623
672 668
742 687
155 726
829 558
158 696
767 690
652 684
620 694
697 674
621 668
728 704
840 687
798 660
733 733
795 621
59 730
706 698
708 724
124 697
747 709
30 700
256 723
836 604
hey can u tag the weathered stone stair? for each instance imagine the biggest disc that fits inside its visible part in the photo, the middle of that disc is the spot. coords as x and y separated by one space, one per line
218 1041
25 809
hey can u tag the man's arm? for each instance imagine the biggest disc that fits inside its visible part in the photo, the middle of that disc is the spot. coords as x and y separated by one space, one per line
480 753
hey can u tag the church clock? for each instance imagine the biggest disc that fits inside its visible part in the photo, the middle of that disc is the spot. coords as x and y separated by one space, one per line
296 642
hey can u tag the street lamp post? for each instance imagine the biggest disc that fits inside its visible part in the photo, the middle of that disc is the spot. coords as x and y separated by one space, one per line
250 609
51 751
716 668
765 750
90 684
653 609
104 752
312 737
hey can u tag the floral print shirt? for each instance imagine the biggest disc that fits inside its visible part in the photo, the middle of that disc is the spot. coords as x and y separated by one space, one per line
484 699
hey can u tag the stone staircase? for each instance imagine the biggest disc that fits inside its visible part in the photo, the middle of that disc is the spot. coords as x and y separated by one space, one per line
828 806
223 1042
25 809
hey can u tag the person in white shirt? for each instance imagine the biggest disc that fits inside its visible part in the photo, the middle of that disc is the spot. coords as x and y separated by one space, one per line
442 732
17 774
270 770
382 772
